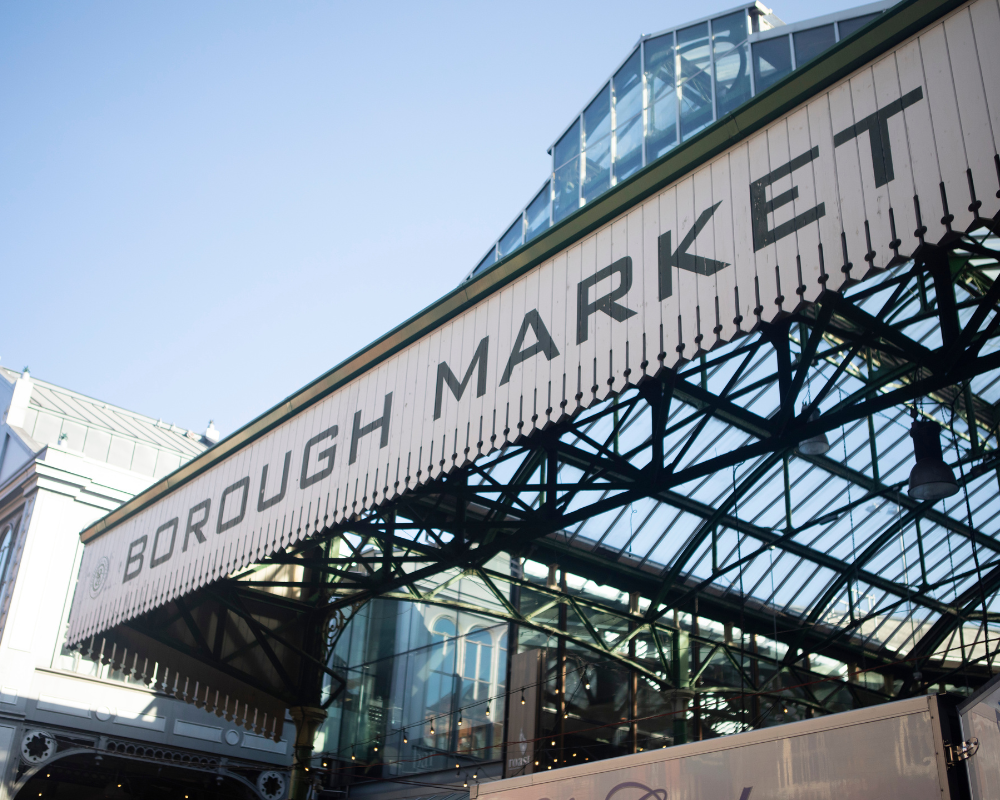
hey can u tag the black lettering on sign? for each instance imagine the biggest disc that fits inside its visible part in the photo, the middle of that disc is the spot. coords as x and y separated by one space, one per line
760 206
305 479
134 557
681 258
262 504
877 127
196 527
446 376
243 486
605 303
155 560
360 431
544 344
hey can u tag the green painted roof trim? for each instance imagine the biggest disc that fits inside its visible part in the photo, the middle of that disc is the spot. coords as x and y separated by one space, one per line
881 34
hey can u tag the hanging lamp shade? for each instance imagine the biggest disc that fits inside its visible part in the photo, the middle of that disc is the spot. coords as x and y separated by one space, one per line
815 445
930 478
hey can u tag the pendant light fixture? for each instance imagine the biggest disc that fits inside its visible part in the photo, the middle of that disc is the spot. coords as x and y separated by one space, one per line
930 478
815 445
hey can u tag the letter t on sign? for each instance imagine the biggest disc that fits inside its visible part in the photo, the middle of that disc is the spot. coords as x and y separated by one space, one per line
877 127
360 431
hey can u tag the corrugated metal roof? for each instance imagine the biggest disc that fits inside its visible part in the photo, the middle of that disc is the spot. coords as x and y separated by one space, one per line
105 432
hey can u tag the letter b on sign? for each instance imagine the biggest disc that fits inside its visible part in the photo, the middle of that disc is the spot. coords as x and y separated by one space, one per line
135 551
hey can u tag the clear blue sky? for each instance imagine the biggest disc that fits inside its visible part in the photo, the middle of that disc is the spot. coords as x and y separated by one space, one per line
204 206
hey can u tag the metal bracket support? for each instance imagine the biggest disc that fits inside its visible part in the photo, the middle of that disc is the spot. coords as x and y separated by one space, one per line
963 751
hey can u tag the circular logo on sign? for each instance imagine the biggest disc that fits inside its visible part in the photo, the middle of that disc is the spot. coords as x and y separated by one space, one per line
99 576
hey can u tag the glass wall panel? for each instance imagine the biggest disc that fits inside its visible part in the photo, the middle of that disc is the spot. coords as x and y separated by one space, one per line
568 146
732 61
537 214
772 61
628 117
628 89
810 43
567 190
413 672
597 118
566 156
597 169
695 82
628 147
661 133
597 145
512 239
848 26
489 259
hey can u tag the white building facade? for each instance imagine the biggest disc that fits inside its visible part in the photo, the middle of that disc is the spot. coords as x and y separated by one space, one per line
71 726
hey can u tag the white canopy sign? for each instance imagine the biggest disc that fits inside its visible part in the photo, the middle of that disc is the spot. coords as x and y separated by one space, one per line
899 154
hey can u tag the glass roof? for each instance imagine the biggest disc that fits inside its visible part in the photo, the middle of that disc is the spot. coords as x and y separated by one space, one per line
828 540
673 84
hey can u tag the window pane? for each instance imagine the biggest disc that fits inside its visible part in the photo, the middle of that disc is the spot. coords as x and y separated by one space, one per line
695 81
628 89
5 547
661 134
628 147
567 147
485 663
489 259
597 169
810 43
597 117
660 65
732 62
511 240
772 61
471 649
479 641
538 214
732 79
848 26
567 186
444 628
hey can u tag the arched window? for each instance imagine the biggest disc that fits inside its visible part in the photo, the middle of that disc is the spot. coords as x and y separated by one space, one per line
443 631
477 665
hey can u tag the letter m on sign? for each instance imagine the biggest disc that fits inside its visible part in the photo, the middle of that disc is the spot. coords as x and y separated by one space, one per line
446 376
